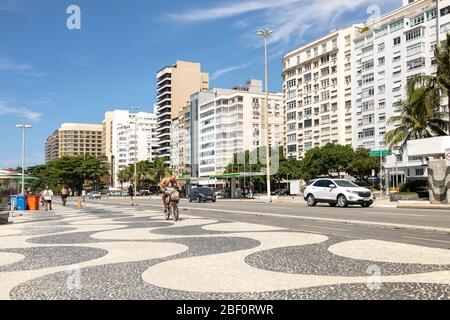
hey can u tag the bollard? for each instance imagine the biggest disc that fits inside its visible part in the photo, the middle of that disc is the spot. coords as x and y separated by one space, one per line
79 206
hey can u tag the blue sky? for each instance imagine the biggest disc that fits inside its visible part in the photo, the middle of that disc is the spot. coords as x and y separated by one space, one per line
50 74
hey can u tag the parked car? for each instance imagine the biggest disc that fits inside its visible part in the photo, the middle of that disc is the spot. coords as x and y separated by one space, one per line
94 195
219 194
337 192
202 194
281 192
144 192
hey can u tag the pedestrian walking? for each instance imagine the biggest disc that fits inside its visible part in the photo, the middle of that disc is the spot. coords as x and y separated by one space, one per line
83 195
48 197
64 195
131 194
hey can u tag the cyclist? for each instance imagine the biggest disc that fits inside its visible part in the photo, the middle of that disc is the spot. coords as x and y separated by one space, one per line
167 187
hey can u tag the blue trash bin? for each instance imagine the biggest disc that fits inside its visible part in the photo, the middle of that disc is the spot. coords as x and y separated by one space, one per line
21 201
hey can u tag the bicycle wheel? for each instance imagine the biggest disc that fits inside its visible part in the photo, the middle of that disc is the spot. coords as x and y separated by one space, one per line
167 211
175 211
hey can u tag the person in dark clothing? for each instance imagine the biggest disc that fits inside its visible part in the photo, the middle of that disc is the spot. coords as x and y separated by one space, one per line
131 193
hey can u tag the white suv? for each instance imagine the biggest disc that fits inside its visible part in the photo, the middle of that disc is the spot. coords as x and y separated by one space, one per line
337 192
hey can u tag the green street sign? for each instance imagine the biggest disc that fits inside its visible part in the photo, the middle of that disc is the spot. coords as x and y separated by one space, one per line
380 153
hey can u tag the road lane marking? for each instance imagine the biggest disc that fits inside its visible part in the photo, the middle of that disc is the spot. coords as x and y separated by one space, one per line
396 214
426 239
324 228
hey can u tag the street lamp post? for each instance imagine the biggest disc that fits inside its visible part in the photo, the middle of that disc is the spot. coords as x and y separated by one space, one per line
135 111
23 127
266 34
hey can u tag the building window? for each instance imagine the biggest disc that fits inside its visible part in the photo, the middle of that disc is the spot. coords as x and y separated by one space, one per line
292 148
445 11
367 65
367 106
415 64
291 137
414 34
415 49
420 171
418 20
291 126
396 25
397 41
308 146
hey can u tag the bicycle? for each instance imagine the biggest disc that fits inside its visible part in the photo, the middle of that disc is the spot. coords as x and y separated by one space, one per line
172 207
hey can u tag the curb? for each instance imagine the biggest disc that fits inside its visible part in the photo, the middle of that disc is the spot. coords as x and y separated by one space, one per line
429 207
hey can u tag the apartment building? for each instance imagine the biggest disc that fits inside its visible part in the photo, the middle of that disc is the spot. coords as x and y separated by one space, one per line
175 85
180 142
317 86
394 48
52 147
74 139
226 121
128 137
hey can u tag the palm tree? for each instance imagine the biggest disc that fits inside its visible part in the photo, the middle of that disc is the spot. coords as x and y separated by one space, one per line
420 115
159 169
442 55
124 175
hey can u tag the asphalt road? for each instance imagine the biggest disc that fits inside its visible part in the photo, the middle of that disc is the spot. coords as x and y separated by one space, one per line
389 224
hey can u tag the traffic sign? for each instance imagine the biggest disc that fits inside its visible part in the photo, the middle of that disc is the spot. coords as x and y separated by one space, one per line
380 153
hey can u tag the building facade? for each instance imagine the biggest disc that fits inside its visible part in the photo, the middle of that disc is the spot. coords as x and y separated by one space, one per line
392 50
175 85
317 86
128 137
74 139
227 121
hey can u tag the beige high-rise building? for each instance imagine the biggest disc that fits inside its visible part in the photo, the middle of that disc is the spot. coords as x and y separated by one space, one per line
74 139
175 85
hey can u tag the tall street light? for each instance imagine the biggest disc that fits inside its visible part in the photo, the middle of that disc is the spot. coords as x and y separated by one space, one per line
135 111
23 127
266 34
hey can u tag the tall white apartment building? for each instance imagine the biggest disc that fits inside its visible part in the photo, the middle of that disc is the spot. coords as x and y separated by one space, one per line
129 137
227 121
317 85
394 48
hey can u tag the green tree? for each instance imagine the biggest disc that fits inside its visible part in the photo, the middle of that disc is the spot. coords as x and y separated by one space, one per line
442 56
420 116
124 175
326 161
362 164
312 166
159 169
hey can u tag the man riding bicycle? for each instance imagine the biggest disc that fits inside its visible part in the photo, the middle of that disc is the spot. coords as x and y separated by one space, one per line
168 186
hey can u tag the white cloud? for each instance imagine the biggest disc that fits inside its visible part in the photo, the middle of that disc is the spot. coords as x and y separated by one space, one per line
290 19
21 68
6 64
223 71
20 112
228 10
